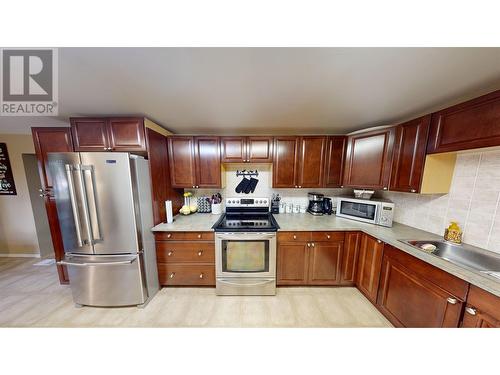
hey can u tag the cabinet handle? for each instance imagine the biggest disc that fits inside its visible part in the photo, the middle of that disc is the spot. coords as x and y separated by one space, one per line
452 301
199 236
308 245
170 253
312 244
385 187
193 186
294 236
379 241
105 149
470 310
341 186
200 253
328 236
172 275
169 235
413 191
201 275
300 187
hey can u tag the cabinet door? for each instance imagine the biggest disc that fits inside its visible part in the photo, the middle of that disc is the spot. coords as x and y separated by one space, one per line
350 258
334 163
325 259
90 134
311 162
207 156
233 149
482 309
292 264
285 162
473 124
259 149
369 158
126 134
369 264
52 140
409 155
182 162
408 299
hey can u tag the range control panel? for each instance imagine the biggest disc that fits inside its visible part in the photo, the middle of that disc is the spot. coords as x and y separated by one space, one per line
247 202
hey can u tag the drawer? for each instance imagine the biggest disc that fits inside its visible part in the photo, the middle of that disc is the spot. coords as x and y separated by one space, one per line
172 252
294 236
327 236
184 236
186 274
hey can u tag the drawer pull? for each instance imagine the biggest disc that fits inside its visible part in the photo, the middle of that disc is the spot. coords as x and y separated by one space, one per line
379 241
199 236
172 275
201 275
452 301
312 244
200 253
170 253
328 236
470 310
169 235
308 245
294 236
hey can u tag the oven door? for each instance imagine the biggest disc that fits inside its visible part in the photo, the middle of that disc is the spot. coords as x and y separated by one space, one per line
246 255
361 210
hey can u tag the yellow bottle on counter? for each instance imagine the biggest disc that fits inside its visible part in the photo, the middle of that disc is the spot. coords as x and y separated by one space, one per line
453 233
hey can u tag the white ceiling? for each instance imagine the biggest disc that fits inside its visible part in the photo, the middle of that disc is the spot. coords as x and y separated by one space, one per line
266 90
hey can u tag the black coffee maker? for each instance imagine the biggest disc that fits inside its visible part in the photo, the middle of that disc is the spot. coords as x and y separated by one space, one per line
315 204
327 206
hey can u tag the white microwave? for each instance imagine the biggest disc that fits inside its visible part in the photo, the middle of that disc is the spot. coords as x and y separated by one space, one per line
379 212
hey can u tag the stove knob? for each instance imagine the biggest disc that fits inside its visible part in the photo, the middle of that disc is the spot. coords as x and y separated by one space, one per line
238 201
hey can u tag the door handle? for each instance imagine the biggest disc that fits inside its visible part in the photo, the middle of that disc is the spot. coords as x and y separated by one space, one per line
452 301
470 310
92 203
86 216
74 207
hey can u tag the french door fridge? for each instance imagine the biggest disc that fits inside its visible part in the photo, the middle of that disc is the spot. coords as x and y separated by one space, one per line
105 213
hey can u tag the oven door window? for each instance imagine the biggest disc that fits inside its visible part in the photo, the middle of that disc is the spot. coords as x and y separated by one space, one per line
360 210
245 256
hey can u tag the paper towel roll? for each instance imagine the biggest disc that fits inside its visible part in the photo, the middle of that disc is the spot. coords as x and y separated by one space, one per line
168 208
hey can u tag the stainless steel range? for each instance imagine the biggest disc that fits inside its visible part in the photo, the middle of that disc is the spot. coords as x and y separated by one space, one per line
245 248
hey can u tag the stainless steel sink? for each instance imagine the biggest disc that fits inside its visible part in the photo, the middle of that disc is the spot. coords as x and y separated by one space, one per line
462 255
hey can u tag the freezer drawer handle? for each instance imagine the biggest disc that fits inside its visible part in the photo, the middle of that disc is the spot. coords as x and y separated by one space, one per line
64 263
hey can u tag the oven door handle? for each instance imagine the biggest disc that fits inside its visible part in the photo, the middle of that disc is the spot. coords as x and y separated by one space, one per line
246 236
267 281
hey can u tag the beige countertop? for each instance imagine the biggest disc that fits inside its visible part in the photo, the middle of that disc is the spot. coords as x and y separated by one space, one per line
391 236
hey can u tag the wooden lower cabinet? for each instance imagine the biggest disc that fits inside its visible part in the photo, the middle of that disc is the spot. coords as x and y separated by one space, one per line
482 309
415 294
185 258
369 264
309 258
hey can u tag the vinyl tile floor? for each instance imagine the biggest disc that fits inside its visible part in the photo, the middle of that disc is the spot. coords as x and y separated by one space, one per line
31 296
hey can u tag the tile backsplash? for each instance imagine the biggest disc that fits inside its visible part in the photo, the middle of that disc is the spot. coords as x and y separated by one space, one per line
473 202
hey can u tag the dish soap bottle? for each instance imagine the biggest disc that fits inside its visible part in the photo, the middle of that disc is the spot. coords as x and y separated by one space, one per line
453 233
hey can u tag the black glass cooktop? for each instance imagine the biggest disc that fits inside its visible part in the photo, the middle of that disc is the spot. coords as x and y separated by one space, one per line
233 222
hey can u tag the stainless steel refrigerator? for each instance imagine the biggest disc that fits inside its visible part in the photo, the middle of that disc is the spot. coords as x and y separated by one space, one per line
105 212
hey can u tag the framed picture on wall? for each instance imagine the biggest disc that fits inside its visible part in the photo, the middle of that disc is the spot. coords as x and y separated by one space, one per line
7 185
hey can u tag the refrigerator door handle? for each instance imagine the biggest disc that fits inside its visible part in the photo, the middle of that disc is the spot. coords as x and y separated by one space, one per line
74 205
79 264
92 203
86 214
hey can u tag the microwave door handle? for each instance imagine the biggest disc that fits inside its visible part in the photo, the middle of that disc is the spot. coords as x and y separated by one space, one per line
86 214
88 172
74 206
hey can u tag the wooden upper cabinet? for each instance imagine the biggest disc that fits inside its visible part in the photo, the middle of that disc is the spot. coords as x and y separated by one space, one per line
409 155
259 149
482 309
286 151
311 162
371 252
233 149
247 149
413 293
126 134
369 158
90 134
334 161
207 158
472 124
182 161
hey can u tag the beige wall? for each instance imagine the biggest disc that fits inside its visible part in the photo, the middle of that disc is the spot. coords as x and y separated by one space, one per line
17 226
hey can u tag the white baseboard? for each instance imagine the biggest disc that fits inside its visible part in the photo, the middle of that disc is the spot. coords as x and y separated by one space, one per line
19 255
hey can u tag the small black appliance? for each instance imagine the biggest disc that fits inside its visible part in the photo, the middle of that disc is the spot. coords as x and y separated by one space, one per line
315 204
327 206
